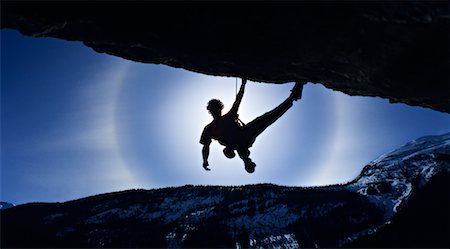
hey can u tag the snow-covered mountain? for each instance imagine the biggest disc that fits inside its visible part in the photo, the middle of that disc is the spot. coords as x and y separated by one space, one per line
391 179
256 216
5 205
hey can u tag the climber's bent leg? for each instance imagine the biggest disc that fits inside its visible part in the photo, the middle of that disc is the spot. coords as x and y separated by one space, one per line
249 164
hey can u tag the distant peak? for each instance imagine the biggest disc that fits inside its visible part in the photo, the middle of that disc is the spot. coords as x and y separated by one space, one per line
5 205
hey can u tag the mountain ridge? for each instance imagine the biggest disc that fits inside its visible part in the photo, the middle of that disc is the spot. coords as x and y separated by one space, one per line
258 215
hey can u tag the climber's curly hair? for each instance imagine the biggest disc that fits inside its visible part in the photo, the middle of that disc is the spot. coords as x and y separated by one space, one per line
214 106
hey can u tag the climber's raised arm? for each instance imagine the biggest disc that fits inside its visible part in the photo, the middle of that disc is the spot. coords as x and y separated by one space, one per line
234 109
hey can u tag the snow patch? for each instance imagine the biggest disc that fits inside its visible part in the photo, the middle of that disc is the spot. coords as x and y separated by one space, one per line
262 223
5 205
276 241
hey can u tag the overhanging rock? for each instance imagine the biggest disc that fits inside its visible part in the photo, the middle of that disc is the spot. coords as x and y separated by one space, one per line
397 50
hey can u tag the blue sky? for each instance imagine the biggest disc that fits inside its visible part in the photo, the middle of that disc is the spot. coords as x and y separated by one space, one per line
76 123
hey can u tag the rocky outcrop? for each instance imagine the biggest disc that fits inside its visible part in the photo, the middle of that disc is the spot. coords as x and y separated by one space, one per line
397 50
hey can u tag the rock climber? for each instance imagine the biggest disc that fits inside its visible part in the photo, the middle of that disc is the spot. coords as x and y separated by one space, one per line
236 136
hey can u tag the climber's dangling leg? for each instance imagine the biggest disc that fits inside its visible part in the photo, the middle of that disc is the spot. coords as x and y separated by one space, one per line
249 164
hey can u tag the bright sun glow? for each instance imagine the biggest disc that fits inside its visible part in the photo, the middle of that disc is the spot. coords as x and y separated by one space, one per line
257 100
187 117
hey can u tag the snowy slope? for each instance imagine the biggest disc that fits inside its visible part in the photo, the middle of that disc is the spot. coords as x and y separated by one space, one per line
391 179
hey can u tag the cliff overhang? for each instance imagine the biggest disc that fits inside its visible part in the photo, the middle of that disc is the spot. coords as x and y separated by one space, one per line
396 50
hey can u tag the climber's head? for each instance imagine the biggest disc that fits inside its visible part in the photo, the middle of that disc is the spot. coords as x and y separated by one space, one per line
215 107
228 152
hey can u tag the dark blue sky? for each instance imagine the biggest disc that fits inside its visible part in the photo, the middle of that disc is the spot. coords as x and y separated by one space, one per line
76 123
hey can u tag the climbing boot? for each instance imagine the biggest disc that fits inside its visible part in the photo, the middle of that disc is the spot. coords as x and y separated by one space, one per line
250 166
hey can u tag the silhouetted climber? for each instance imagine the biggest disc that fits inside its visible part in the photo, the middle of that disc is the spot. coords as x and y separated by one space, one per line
234 135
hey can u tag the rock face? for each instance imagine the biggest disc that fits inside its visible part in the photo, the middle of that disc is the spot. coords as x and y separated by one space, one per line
396 50
402 193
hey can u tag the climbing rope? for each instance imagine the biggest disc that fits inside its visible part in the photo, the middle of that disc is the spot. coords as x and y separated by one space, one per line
238 119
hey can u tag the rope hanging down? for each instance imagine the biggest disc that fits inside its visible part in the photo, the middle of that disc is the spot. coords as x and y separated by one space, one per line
238 119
